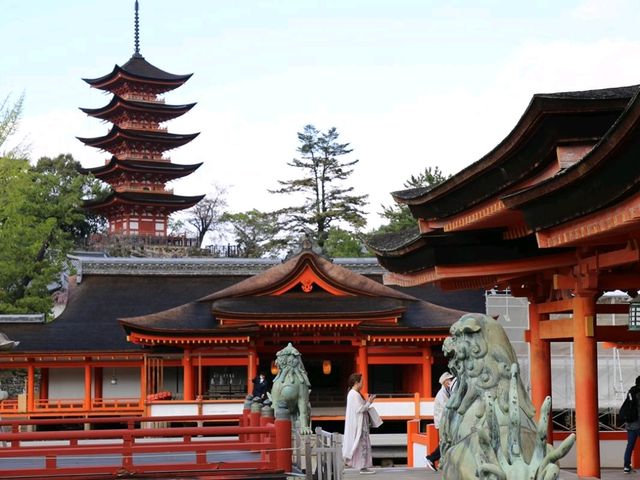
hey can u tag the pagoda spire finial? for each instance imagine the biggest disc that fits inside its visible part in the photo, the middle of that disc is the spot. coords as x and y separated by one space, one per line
137 33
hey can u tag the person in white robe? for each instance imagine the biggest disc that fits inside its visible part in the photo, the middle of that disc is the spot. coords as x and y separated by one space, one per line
356 444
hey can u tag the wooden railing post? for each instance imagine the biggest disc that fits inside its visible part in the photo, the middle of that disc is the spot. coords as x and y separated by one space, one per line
413 426
283 437
244 419
254 418
266 417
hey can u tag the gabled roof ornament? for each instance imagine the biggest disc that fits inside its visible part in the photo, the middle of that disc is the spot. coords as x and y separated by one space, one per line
6 343
136 52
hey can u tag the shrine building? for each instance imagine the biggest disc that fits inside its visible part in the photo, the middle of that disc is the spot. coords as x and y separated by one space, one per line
552 214
187 336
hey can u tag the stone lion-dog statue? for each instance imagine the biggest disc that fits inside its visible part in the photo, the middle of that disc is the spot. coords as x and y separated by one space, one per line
292 387
489 431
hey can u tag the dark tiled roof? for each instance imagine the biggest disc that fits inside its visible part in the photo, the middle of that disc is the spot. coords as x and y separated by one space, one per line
279 275
389 242
310 305
142 166
248 299
162 109
137 66
89 321
145 198
594 183
600 93
155 299
157 137
548 119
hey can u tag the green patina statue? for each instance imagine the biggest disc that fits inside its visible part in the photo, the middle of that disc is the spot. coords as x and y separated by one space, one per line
292 387
489 431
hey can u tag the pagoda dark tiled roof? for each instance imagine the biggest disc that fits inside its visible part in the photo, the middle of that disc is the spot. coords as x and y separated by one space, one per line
170 111
137 66
158 137
145 198
142 166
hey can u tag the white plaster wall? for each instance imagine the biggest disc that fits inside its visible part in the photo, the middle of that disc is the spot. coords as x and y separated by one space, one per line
426 409
222 408
395 409
68 383
170 409
127 383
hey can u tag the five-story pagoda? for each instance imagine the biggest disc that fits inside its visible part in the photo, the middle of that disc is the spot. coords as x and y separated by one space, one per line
138 169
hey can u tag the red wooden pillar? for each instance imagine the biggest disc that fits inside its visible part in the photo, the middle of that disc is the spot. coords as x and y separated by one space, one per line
252 367
86 403
427 361
413 427
363 365
98 375
187 367
143 383
31 389
540 368
44 384
586 378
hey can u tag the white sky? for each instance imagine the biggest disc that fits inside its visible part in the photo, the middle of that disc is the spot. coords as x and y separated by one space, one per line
408 83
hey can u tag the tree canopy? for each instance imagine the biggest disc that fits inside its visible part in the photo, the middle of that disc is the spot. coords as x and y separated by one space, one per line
40 214
342 243
37 218
398 216
9 118
206 215
256 233
325 199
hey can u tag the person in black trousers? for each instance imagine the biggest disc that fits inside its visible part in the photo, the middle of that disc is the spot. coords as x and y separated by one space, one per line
633 428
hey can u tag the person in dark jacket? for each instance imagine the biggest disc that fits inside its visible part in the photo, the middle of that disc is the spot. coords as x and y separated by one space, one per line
633 428
260 386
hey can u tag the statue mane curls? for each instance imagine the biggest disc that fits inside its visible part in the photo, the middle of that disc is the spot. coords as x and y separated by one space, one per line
489 431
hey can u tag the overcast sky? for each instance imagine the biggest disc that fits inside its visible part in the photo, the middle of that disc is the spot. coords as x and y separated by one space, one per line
409 84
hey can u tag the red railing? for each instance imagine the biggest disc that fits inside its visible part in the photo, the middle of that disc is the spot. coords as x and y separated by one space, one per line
232 451
62 406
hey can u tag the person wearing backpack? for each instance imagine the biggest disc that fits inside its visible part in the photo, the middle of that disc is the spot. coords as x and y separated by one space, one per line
633 426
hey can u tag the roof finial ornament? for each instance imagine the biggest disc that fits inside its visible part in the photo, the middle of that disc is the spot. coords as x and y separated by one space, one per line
137 33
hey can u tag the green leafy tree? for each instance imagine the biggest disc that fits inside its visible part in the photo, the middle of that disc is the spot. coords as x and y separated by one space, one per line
36 218
326 201
66 182
344 244
256 233
399 216
206 215
9 118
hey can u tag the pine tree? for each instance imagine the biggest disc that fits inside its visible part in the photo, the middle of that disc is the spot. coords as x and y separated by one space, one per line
327 201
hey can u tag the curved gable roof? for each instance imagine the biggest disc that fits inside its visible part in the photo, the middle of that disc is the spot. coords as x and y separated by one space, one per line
549 118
